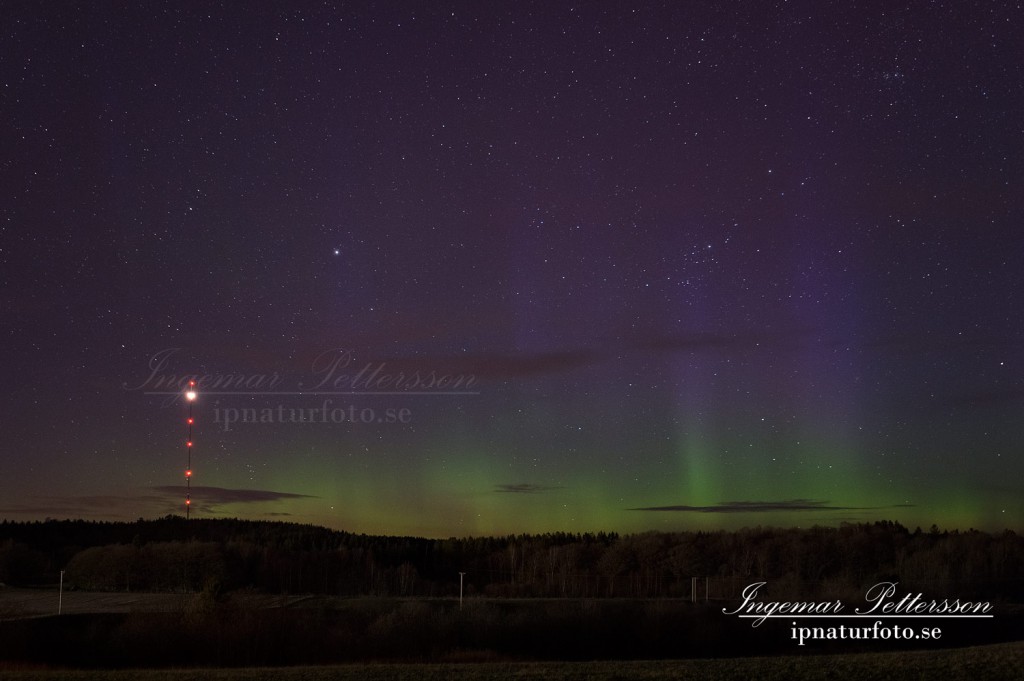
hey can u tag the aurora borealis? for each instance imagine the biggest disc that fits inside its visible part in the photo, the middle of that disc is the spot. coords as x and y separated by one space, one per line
607 266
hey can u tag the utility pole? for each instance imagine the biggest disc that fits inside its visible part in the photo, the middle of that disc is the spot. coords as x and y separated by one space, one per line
60 593
461 575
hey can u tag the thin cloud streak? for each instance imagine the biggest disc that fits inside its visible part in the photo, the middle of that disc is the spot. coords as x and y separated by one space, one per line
163 500
223 495
524 488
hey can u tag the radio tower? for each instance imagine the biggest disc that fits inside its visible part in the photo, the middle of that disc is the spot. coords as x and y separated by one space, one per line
190 397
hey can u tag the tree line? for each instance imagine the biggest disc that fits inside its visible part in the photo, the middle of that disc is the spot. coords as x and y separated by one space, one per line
217 556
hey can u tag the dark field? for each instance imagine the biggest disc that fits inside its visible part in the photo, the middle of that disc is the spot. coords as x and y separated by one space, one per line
996 662
125 631
17 603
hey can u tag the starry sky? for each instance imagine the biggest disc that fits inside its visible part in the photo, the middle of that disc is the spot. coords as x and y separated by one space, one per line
467 268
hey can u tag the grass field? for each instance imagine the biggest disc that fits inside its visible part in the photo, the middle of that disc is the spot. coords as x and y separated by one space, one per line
996 662
16 603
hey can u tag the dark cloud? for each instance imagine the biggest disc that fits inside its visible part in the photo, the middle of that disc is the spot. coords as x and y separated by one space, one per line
358 371
162 500
764 507
525 488
223 495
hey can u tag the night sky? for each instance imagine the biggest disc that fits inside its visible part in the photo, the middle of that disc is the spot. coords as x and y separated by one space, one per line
624 266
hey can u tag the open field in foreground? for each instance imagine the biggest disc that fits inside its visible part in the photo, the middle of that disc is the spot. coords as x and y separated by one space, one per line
995 662
16 603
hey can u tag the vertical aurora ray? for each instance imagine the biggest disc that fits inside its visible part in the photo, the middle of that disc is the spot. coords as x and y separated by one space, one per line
699 462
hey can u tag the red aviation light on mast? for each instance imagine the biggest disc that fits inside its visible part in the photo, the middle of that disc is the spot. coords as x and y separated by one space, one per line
190 397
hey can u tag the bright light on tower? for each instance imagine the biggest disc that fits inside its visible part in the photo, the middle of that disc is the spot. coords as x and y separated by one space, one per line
190 397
